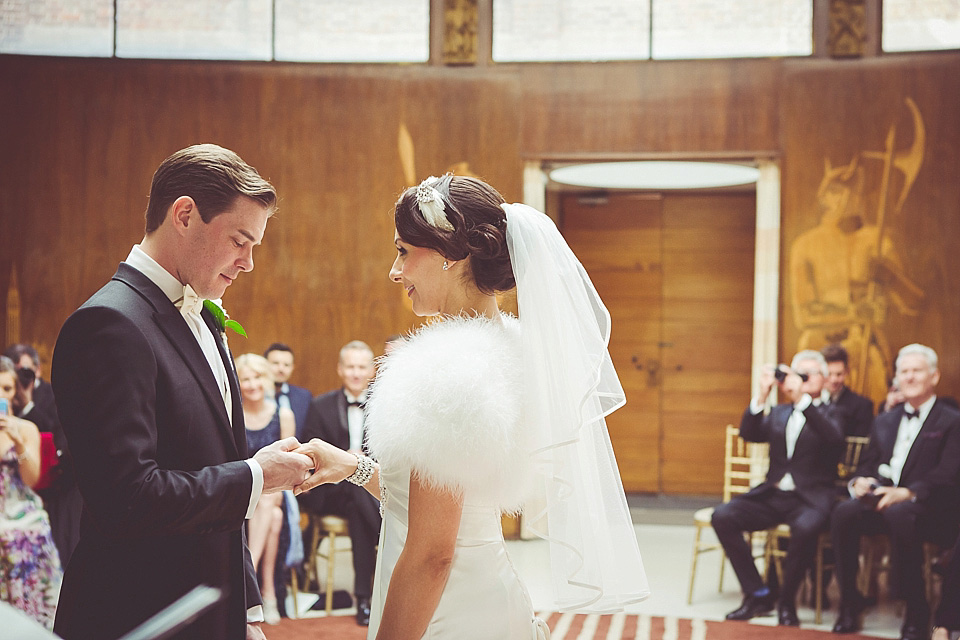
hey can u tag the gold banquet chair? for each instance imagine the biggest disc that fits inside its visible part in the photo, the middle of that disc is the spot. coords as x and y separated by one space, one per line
775 552
744 466
327 528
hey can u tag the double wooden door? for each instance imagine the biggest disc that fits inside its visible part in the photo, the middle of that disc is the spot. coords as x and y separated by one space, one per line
676 273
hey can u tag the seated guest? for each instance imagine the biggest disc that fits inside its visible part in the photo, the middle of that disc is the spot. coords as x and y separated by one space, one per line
799 489
266 423
29 564
906 487
851 410
337 417
61 499
287 395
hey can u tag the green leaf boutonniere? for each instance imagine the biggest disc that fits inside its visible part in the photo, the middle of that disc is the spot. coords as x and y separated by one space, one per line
223 320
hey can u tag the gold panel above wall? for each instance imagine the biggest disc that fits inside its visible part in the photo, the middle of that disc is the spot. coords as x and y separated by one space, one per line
847 28
460 32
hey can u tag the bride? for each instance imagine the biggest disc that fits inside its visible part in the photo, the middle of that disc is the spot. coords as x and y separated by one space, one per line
476 412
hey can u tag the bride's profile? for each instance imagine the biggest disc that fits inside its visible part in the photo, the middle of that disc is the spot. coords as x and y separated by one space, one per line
476 412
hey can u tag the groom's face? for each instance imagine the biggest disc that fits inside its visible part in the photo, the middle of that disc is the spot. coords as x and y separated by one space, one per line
215 253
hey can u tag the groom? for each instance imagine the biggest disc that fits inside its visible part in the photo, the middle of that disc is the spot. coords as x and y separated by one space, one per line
150 404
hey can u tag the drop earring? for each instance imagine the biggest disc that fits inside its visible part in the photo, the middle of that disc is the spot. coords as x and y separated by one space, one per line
445 265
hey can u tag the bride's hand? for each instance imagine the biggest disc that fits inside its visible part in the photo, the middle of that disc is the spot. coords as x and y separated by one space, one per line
330 464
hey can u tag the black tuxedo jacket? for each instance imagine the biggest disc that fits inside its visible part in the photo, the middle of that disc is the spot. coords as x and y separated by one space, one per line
932 468
159 465
300 399
327 420
854 413
813 466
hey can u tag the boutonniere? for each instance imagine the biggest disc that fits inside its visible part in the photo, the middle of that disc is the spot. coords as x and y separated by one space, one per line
222 319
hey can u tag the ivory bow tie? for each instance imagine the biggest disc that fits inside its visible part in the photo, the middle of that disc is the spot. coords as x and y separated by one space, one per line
190 302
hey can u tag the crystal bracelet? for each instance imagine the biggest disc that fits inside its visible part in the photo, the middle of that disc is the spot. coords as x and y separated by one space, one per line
364 472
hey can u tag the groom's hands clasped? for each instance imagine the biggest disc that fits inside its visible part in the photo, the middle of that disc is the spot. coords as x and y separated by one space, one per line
330 464
283 467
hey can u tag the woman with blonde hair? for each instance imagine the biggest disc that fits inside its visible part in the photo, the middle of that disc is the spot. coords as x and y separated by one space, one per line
266 423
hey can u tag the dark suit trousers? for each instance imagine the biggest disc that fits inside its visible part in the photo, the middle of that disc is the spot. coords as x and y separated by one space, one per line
904 523
362 512
763 510
948 613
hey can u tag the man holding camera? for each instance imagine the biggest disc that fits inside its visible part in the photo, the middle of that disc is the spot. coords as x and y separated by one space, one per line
799 490
906 488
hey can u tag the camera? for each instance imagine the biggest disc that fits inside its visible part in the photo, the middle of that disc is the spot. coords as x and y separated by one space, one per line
26 376
780 373
4 406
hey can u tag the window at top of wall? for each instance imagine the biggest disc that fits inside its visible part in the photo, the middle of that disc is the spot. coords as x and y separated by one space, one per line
57 27
921 25
562 30
353 31
731 28
195 29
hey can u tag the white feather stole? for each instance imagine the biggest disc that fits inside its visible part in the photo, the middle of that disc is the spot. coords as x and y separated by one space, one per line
447 404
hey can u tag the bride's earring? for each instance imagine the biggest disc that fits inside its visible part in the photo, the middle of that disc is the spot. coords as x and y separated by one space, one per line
445 265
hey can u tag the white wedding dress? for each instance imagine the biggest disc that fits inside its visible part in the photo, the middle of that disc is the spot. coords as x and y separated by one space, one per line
447 405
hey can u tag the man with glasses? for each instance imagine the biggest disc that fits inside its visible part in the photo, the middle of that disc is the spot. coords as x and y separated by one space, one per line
799 490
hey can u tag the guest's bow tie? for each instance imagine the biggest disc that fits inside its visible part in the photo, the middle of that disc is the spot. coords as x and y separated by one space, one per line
354 403
910 412
190 302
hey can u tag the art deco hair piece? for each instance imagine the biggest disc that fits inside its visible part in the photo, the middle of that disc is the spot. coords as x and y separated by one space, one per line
431 207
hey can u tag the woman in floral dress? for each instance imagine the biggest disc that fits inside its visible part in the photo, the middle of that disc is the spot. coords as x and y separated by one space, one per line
29 564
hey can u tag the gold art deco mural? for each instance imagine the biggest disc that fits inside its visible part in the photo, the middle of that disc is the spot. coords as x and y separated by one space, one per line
871 217
847 271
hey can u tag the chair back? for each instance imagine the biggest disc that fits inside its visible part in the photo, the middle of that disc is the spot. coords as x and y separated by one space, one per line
744 463
851 458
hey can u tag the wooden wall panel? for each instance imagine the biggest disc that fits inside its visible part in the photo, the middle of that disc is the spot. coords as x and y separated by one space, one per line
666 107
91 133
81 139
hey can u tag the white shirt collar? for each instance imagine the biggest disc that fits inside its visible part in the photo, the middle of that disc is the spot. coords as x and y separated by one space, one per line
168 283
924 410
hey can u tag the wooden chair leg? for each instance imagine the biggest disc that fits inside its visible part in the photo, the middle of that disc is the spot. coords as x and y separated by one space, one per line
332 539
693 569
294 588
818 576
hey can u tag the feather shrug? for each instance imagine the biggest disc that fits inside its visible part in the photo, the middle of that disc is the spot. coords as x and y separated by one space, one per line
447 404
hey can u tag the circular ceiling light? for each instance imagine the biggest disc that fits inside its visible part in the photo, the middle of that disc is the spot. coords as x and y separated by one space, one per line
655 175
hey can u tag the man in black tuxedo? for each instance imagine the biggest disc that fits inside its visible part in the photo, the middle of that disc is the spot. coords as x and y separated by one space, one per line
337 417
150 404
906 487
853 411
805 445
61 499
297 399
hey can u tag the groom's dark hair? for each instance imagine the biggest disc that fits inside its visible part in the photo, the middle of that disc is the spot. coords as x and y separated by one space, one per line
213 176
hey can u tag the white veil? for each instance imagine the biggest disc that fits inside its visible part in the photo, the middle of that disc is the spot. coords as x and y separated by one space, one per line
569 386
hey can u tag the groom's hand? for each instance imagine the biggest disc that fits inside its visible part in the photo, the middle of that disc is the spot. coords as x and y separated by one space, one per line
282 468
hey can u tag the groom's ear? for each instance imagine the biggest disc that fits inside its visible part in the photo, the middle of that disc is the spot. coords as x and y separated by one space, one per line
183 213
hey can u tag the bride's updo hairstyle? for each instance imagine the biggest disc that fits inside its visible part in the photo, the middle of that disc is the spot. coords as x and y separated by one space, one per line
479 228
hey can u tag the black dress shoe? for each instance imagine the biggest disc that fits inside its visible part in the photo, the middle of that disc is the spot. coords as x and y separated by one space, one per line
752 607
787 615
912 631
363 612
849 620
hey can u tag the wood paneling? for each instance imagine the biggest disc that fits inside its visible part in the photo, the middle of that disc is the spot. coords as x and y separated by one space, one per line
617 240
676 273
708 258
82 137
